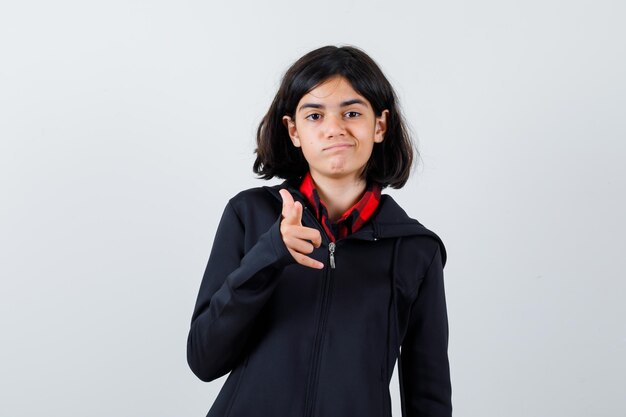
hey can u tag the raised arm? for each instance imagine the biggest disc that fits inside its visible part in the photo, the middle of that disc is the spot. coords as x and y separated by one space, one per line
234 288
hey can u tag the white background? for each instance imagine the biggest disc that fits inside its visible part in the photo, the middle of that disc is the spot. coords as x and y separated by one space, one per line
125 126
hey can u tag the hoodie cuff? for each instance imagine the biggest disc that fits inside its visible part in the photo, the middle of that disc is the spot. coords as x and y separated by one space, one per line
283 256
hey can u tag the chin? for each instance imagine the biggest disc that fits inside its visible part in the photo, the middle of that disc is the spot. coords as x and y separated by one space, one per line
337 170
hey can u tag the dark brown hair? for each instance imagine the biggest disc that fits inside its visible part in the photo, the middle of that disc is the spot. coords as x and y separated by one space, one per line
391 160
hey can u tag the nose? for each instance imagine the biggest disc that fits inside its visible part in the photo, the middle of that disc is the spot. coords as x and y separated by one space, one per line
334 126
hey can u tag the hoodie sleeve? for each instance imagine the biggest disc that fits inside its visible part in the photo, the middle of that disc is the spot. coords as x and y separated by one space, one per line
424 371
234 288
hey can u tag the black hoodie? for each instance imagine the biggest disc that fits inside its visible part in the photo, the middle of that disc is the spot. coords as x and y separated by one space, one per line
305 342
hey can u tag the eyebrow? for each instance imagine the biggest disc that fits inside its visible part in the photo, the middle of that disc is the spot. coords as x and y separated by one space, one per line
342 104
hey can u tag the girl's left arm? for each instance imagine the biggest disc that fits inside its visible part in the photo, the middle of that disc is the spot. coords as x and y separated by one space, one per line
424 371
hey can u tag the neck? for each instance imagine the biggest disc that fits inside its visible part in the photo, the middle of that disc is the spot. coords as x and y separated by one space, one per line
339 195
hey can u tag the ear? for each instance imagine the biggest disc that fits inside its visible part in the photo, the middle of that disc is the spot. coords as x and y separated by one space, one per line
381 126
290 124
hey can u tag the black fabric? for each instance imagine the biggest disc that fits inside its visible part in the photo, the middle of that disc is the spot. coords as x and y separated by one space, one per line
304 342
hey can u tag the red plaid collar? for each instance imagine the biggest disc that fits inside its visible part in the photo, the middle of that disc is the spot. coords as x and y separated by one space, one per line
353 218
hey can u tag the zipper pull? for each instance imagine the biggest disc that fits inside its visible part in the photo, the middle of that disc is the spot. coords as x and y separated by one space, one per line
331 250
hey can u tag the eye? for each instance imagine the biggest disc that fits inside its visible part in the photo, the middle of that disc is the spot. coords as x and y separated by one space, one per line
313 116
352 114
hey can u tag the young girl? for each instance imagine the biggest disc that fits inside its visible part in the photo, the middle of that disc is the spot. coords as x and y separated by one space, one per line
315 287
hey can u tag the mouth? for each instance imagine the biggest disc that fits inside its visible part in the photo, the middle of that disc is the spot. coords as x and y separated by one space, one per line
338 146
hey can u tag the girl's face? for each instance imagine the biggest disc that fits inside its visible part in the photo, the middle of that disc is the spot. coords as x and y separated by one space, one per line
336 128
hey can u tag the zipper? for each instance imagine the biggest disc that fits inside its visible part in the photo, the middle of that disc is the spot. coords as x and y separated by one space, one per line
320 333
331 251
318 341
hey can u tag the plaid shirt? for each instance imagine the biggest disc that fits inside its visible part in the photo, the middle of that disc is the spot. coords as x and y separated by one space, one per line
350 221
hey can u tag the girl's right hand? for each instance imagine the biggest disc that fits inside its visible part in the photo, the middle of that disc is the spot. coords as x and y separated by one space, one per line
300 240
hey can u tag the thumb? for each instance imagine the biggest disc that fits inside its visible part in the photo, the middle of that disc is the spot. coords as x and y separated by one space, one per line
290 209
